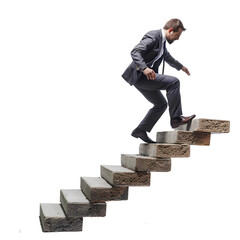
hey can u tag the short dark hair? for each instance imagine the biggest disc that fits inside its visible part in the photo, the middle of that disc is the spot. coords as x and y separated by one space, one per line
175 24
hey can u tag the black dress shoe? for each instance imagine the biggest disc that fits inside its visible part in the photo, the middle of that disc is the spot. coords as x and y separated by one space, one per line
139 133
181 120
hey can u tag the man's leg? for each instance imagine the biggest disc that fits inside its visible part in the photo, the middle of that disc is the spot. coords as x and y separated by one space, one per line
153 115
172 86
161 82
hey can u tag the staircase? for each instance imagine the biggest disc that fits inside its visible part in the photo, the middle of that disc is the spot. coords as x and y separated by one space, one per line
90 200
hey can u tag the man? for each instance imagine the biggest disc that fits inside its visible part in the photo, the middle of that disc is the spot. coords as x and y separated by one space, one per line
143 74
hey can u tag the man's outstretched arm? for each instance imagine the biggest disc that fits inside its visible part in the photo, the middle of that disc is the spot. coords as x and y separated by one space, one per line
174 63
171 61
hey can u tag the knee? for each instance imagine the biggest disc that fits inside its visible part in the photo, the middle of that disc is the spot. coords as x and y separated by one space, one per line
176 82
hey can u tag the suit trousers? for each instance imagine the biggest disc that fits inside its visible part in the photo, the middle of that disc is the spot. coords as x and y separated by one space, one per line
151 90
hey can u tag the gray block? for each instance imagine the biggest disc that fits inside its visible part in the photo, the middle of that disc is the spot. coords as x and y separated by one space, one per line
53 219
75 204
120 176
144 163
164 150
178 137
206 125
97 190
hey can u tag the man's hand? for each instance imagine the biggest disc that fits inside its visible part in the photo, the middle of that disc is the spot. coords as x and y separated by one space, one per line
186 71
149 73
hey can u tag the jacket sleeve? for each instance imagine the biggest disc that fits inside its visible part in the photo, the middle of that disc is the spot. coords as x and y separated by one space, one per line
171 61
147 42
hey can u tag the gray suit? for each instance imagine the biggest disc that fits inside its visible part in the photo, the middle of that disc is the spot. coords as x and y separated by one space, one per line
143 55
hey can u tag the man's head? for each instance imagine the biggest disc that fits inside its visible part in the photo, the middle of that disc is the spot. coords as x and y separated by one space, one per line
173 30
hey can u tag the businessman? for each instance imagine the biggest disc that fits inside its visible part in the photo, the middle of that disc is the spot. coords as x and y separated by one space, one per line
143 74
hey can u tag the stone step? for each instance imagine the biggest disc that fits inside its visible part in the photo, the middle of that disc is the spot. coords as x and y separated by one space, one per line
206 125
164 150
120 176
75 204
145 164
53 219
178 137
97 190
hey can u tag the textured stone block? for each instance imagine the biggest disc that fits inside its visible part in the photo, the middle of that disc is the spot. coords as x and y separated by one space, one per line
120 176
178 137
97 189
143 163
53 219
206 125
164 150
75 204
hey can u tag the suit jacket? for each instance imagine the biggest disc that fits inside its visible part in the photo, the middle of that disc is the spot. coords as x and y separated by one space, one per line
143 55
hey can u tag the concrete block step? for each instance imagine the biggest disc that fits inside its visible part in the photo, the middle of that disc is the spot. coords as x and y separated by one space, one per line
206 125
145 164
178 137
97 190
75 204
120 176
53 219
161 150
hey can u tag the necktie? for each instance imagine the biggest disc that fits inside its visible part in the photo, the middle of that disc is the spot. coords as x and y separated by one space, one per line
164 47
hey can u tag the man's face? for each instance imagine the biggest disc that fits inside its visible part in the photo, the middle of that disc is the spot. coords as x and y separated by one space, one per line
172 36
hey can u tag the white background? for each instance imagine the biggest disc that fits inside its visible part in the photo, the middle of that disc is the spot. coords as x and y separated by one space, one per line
65 110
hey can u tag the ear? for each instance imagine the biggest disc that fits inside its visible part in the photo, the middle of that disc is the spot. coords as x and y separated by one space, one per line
170 30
